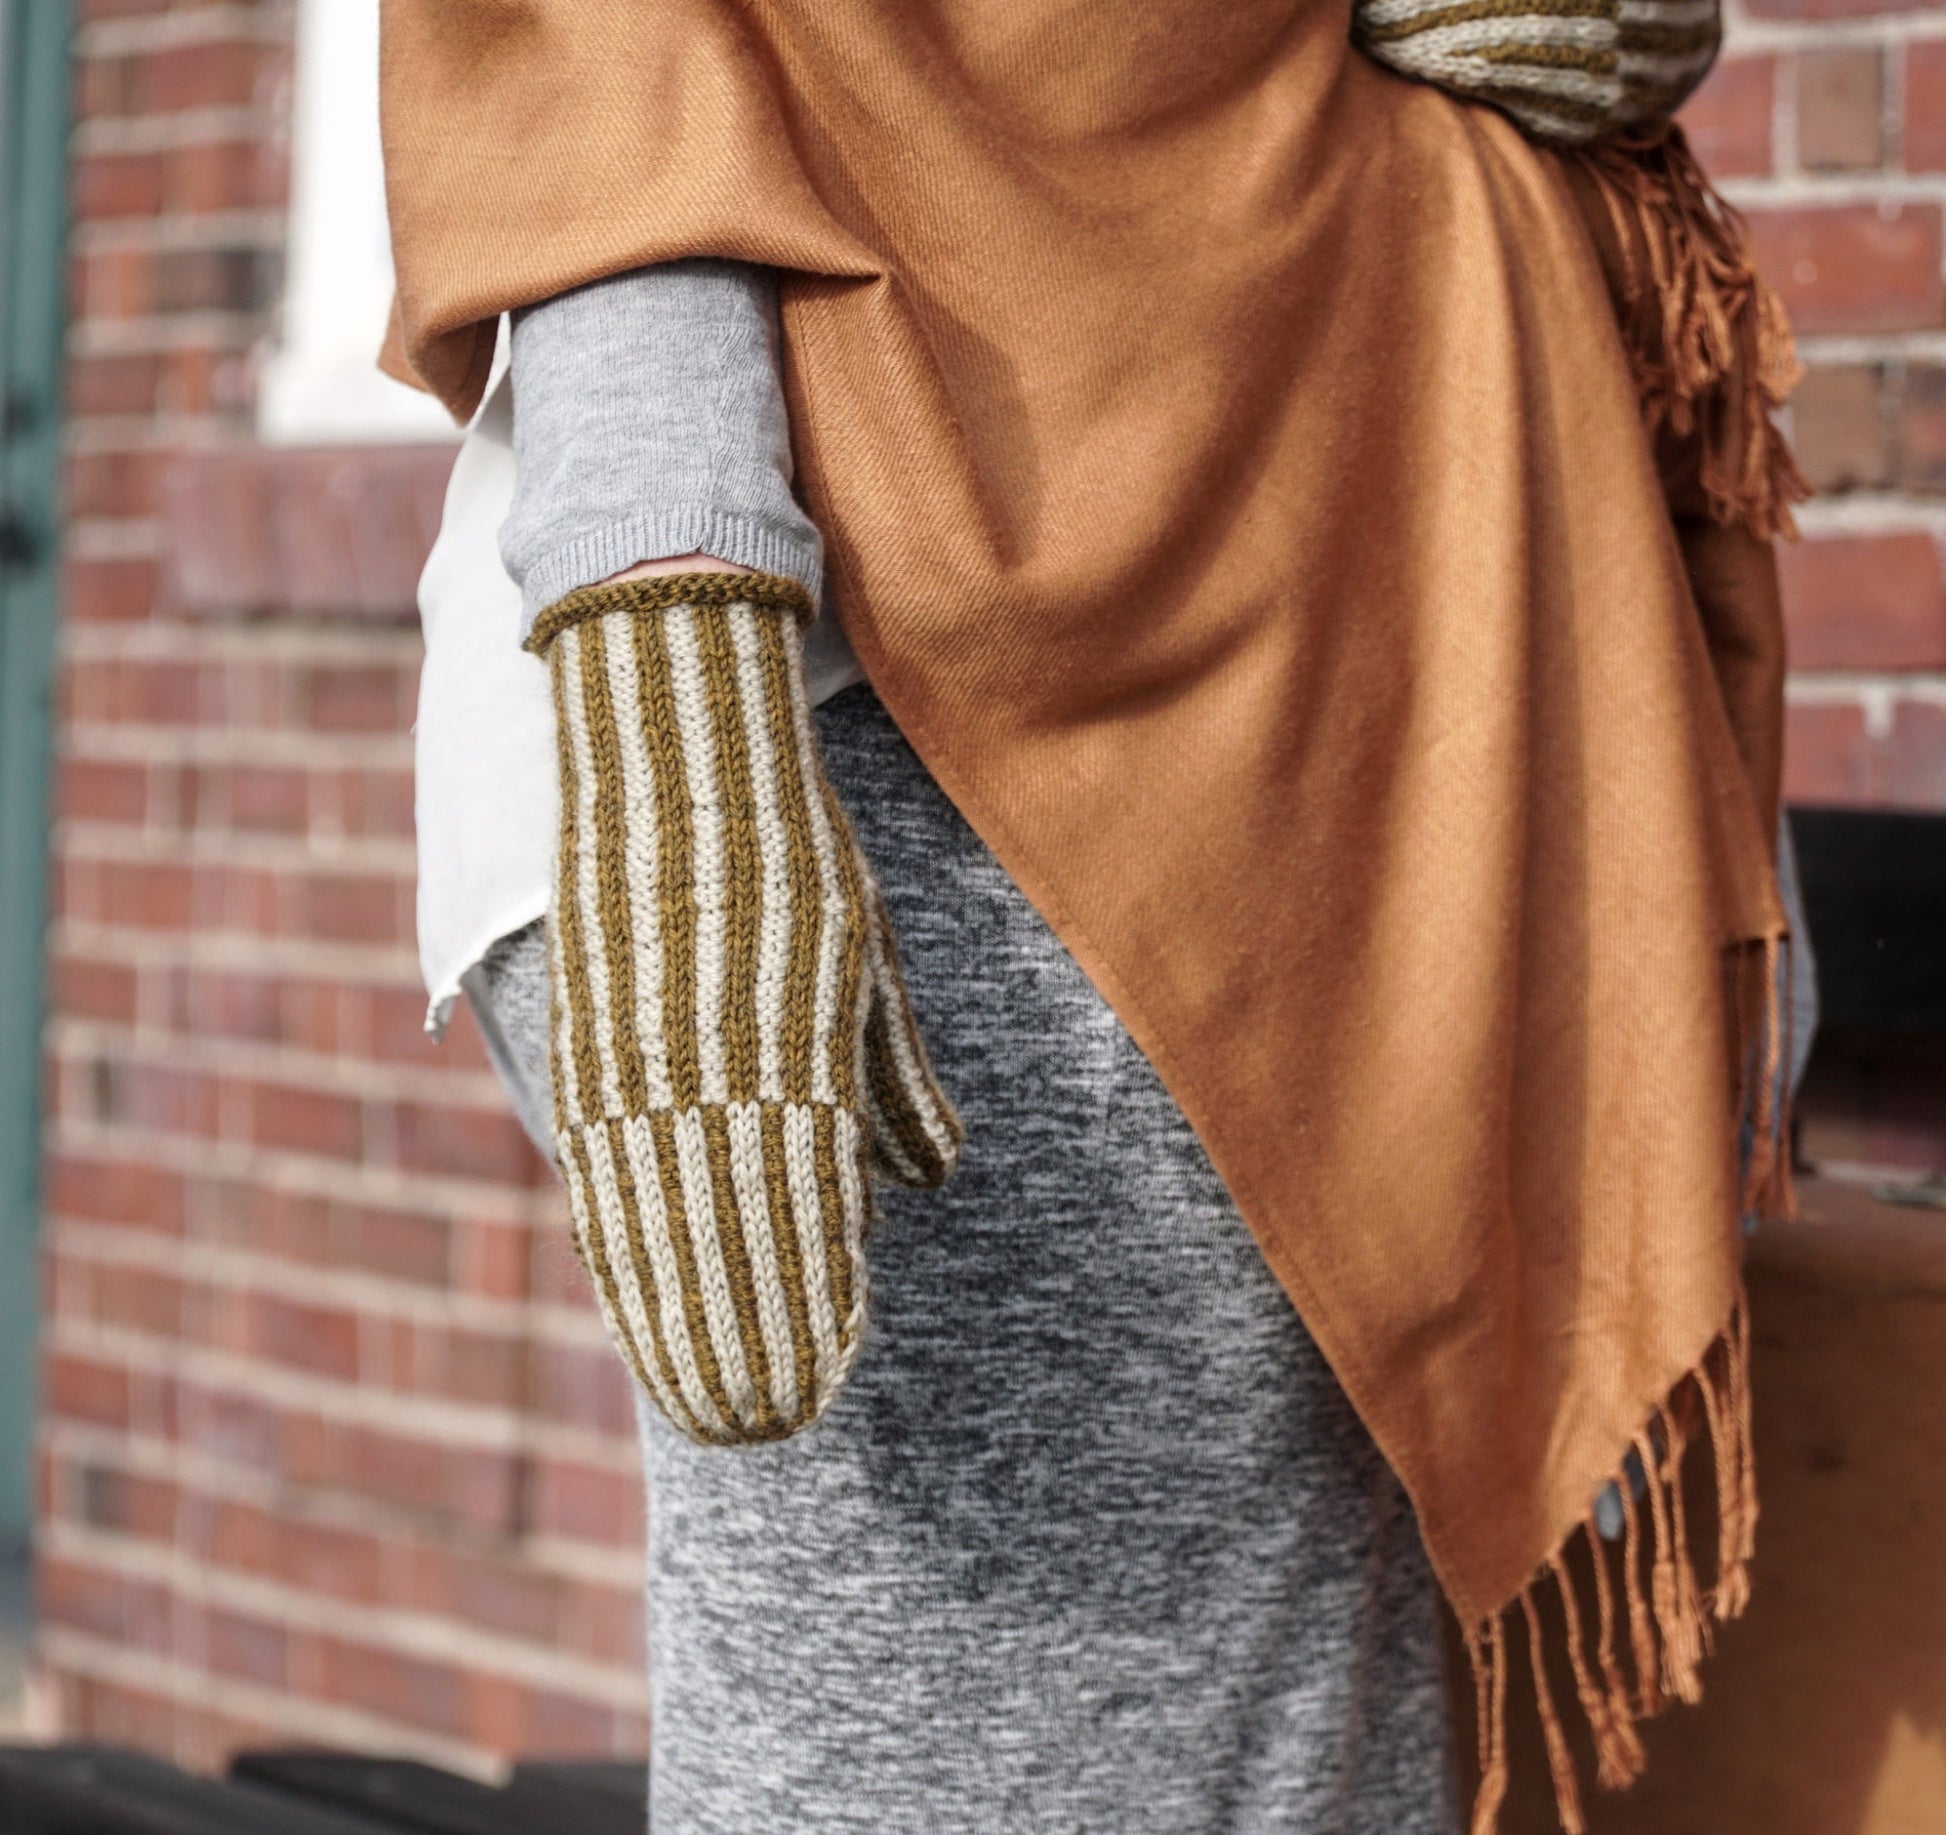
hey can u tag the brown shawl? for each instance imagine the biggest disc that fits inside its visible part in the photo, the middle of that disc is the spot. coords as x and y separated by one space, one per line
1236 488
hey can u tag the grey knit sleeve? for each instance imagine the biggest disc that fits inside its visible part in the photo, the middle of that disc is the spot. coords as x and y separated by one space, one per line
649 421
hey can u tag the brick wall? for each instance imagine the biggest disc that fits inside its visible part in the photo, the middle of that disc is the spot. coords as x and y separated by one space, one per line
1826 120
333 1448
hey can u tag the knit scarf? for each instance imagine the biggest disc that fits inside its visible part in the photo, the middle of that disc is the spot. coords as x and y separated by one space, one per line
1320 542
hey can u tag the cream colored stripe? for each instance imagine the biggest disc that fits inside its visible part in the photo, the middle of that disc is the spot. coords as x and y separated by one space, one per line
753 1208
567 1084
644 843
1490 34
911 1070
807 1211
774 932
851 1182
619 1253
588 890
699 1201
1667 12
668 1281
1636 67
706 820
838 917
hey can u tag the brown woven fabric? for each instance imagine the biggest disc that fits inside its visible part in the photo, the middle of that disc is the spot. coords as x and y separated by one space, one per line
1235 485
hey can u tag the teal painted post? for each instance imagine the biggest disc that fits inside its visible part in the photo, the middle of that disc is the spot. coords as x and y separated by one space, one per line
35 75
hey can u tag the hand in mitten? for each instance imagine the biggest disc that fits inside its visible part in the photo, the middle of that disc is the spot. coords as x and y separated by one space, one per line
732 1051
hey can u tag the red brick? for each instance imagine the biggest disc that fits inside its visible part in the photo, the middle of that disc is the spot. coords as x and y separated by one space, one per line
1838 428
1915 757
346 908
114 1191
1925 105
103 484
320 1339
355 699
1828 757
269 798
114 283
1921 437
396 1243
247 1647
101 790
130 1503
214 175
138 1300
105 590
242 280
117 185
411 1690
110 1605
326 1558
142 895
76 1388
1728 120
589 1503
588 1385
1840 109
210 73
83 988
1854 267
1825 9
111 385
467 1143
306 1121
1865 602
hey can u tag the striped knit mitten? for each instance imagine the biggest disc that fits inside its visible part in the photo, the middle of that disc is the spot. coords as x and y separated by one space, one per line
1568 71
732 1050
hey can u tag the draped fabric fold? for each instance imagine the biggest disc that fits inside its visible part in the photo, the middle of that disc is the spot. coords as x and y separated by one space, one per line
1235 484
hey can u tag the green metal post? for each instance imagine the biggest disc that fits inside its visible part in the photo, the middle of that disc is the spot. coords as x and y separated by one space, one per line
34 88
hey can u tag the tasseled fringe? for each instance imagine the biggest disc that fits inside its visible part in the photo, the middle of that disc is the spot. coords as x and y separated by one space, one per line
1709 341
1621 1680
1649 1651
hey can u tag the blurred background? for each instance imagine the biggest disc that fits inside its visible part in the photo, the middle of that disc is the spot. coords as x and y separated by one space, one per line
307 1432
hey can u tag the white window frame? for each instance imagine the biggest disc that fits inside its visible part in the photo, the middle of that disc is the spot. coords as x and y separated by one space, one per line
320 384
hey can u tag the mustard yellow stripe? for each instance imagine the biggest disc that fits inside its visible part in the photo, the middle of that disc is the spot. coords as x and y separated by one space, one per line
736 1266
662 1130
742 860
594 1254
567 900
675 860
831 1209
611 866
790 1266
1550 57
632 1215
1465 12
644 598
797 1034
851 965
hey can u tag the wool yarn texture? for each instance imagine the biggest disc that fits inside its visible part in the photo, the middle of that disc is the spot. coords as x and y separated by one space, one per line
733 1055
1569 71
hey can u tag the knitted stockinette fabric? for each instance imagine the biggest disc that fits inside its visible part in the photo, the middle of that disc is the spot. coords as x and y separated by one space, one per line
733 1054
1569 71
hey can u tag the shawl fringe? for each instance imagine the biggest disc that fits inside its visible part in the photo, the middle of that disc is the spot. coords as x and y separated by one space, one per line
1630 1627
1626 1667
1708 340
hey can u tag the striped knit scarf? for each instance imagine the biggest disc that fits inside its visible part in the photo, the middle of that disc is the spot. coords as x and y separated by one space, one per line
1569 71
